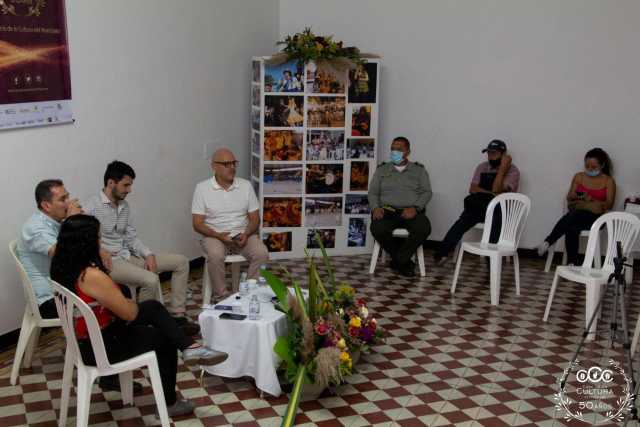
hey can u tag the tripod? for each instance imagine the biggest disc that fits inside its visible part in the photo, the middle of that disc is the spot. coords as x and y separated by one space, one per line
616 279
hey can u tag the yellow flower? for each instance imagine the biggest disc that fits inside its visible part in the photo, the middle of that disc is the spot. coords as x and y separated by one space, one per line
355 322
344 357
341 343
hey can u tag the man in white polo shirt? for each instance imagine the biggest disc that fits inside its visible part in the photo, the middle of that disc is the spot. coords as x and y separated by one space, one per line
225 211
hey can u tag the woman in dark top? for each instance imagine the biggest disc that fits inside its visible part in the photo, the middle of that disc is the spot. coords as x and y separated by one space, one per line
128 328
592 193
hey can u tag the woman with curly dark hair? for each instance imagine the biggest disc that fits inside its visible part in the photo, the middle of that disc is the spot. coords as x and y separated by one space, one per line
591 194
128 328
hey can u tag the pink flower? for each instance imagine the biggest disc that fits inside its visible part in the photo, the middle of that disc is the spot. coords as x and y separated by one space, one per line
322 328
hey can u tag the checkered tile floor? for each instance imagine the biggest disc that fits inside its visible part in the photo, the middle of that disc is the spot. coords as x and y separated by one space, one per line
448 360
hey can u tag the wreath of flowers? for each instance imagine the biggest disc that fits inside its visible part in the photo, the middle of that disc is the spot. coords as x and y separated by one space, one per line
307 46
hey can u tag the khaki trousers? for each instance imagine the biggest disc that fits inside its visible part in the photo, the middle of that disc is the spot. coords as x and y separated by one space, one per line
132 272
254 251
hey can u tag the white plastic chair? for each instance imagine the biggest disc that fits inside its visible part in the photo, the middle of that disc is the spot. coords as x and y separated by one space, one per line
32 322
67 302
620 227
514 209
479 226
558 245
234 260
401 233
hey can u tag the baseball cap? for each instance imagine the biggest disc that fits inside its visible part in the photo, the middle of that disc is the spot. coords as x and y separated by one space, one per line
496 145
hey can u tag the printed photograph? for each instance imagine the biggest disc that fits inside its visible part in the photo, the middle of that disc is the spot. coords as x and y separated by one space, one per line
255 166
322 211
255 95
282 212
359 176
325 111
283 111
256 71
282 179
255 142
287 77
324 178
361 121
277 242
325 145
283 145
357 204
325 79
362 84
256 187
326 235
360 148
357 234
255 119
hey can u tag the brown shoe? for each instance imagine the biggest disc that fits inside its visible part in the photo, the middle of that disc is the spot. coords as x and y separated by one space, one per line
188 327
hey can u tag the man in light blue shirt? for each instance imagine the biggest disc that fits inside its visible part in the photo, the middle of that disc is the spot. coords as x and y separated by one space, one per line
38 238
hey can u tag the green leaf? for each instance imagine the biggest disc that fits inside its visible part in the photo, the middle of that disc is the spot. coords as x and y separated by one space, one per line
327 263
283 350
279 288
313 309
294 400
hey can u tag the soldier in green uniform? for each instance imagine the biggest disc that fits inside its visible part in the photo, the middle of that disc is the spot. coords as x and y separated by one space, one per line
398 195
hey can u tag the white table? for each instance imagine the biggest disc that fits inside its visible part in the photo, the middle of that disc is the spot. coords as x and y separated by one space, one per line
249 343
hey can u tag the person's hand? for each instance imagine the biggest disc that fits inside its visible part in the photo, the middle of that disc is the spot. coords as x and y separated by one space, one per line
409 213
226 239
241 240
505 162
150 263
74 208
105 256
378 213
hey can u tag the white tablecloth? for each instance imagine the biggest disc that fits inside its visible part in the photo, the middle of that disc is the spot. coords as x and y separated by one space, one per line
249 343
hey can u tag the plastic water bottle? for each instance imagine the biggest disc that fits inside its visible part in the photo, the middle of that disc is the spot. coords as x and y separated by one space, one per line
254 308
243 288
262 282
253 284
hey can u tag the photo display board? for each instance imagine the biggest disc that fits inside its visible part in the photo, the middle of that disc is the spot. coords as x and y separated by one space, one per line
313 143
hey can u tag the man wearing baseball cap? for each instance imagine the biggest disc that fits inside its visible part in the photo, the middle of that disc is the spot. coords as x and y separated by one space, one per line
496 175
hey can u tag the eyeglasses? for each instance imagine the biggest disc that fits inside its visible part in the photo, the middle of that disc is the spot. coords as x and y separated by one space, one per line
233 163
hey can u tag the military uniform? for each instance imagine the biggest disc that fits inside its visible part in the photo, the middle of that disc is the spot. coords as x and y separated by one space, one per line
394 190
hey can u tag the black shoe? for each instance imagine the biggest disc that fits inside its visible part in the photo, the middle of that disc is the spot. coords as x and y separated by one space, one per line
112 383
407 269
189 328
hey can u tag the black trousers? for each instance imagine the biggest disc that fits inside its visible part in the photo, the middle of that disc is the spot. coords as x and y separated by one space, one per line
570 226
475 208
401 250
153 329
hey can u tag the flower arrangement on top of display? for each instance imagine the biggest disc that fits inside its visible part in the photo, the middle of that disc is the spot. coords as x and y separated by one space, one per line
307 47
325 331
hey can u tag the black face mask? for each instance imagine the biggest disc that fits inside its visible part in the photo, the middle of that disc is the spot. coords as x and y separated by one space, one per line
495 163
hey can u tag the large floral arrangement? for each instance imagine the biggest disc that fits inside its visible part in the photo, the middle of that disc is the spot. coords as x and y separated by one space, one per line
362 327
306 46
326 329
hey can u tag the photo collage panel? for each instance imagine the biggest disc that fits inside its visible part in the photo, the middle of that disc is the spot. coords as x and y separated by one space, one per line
314 142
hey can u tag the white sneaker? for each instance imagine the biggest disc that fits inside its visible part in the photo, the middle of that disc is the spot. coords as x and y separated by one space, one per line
543 248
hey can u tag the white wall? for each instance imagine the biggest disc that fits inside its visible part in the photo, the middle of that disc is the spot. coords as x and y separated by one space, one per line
153 81
552 78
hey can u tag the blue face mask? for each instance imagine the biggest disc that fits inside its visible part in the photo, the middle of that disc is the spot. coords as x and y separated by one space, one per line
592 172
396 157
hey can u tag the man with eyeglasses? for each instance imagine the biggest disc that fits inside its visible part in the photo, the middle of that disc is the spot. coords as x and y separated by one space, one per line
225 212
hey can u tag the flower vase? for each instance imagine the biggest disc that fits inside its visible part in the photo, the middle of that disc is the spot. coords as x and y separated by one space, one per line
311 392
355 357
